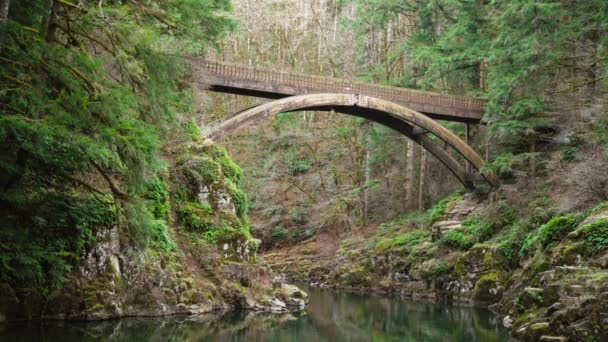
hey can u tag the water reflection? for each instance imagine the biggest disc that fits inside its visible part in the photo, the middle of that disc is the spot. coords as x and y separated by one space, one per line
330 316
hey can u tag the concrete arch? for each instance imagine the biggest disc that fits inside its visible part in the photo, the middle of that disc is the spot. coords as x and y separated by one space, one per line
404 120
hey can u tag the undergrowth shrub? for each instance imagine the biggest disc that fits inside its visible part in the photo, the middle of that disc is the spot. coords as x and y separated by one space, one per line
457 238
297 167
408 239
557 228
196 217
596 234
278 233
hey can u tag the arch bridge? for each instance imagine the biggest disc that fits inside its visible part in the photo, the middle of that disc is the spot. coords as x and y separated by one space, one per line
412 113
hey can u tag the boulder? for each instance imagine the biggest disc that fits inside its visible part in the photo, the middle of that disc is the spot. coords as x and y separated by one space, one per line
292 296
487 289
531 296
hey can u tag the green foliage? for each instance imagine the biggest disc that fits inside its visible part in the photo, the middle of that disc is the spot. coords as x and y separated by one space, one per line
297 167
437 270
408 239
41 244
479 227
297 216
273 211
226 230
196 217
157 194
88 90
278 233
160 237
517 219
519 306
570 153
239 198
459 239
505 51
213 227
192 130
439 209
596 234
531 241
505 164
602 206
229 168
557 228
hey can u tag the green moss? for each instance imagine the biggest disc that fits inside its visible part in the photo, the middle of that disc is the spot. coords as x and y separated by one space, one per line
157 194
411 238
459 266
192 130
207 168
481 291
458 239
439 209
596 234
602 206
557 228
360 276
383 245
228 168
239 198
478 227
408 240
196 217
531 242
436 270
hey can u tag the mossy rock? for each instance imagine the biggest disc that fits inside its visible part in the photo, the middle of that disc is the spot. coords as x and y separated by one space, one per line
536 330
569 253
531 297
487 288
482 258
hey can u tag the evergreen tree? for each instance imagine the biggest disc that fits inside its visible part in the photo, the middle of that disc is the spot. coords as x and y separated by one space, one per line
88 90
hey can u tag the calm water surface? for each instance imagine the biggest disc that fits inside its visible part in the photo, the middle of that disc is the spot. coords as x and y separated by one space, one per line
330 316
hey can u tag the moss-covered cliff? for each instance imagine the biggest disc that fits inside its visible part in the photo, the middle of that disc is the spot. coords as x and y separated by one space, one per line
200 258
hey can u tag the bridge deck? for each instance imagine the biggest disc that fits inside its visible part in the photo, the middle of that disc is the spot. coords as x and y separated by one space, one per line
265 83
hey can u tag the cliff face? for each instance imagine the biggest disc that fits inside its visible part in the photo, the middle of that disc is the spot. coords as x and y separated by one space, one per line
203 260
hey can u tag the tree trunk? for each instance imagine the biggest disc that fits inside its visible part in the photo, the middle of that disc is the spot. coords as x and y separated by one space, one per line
423 172
533 158
52 24
4 5
368 170
409 188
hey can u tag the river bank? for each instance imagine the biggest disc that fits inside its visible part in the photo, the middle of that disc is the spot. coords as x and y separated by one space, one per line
555 286
331 315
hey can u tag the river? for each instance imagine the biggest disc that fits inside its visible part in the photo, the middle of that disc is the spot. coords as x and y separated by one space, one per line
331 315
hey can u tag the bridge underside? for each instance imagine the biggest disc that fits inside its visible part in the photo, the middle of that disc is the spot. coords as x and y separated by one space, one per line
433 111
412 124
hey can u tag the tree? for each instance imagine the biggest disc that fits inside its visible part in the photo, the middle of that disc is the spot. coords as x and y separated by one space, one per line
88 91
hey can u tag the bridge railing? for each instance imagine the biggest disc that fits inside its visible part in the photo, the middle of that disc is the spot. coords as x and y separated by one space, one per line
329 84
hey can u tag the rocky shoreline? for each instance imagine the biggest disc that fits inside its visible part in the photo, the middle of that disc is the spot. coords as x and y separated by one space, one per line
560 293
